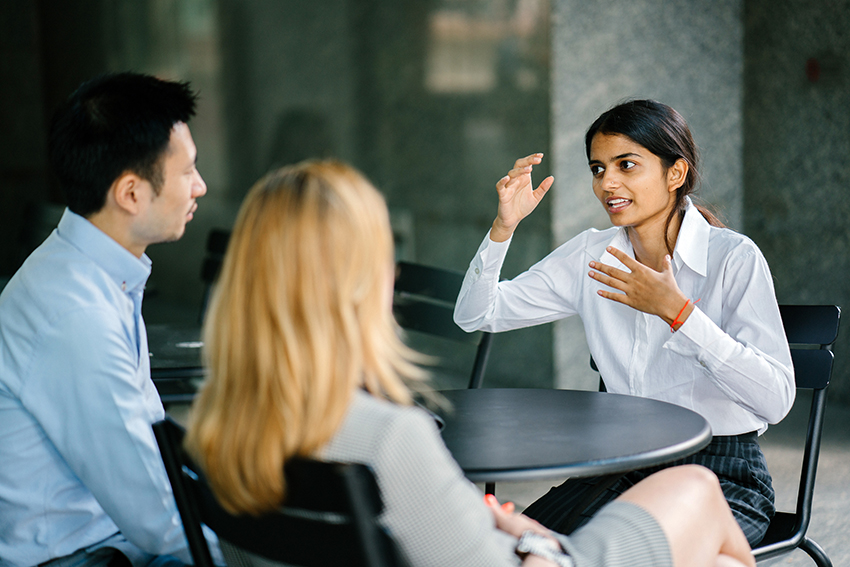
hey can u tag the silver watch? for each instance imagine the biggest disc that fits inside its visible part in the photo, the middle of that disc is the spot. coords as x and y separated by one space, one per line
541 546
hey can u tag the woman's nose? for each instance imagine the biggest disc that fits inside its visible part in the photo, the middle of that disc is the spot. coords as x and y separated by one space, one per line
610 179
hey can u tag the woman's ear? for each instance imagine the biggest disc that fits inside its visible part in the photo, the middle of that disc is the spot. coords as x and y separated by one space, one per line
676 174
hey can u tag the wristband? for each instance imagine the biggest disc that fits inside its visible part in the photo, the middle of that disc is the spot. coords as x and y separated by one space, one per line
676 320
541 546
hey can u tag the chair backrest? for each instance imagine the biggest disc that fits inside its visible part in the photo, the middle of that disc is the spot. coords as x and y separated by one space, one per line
424 301
811 332
329 518
217 240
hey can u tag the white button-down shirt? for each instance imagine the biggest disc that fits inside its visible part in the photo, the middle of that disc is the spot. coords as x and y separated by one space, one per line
729 362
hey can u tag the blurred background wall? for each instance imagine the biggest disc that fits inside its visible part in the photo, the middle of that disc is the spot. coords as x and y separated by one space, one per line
434 99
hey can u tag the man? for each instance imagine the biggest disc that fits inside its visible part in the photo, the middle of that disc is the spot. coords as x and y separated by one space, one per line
81 480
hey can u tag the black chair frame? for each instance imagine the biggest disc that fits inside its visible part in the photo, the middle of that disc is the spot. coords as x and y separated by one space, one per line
330 516
216 246
811 331
424 301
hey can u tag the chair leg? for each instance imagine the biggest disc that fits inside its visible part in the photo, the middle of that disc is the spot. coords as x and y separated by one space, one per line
816 552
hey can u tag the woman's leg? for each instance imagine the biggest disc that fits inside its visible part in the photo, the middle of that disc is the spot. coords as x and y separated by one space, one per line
557 508
689 505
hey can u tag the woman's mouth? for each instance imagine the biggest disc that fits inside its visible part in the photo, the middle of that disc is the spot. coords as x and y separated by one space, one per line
617 204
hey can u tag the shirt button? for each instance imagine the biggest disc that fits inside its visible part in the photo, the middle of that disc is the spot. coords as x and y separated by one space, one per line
477 271
701 363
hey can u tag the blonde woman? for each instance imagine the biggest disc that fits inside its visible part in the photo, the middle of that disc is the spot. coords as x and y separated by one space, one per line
305 359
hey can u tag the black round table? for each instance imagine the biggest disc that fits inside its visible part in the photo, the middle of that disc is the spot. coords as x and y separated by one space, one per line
175 355
530 434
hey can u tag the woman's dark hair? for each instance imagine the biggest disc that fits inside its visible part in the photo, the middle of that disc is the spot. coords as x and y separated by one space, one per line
662 131
113 124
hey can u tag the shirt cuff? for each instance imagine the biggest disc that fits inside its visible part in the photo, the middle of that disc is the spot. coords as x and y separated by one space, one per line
699 337
490 255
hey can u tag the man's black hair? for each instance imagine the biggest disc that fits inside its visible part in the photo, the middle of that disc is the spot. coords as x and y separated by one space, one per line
110 125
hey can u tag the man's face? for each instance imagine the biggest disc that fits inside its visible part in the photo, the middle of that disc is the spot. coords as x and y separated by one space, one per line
165 216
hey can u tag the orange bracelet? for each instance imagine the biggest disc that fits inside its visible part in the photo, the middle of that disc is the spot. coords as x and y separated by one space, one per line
676 320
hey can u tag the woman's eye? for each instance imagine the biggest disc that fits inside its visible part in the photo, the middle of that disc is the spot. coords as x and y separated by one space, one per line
596 169
626 164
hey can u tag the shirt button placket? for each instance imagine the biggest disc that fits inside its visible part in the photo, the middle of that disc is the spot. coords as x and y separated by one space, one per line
637 365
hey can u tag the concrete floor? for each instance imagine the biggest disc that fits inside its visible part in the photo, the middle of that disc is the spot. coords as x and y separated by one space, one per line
782 444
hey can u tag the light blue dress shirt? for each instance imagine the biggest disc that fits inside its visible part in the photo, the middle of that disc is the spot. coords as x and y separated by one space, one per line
78 459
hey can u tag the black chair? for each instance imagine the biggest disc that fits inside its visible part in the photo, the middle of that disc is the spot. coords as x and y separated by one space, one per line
424 302
217 240
811 332
330 516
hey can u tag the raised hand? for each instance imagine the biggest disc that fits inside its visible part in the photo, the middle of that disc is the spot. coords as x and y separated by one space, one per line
644 289
517 196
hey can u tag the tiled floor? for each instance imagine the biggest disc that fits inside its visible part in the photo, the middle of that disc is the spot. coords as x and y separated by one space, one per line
782 444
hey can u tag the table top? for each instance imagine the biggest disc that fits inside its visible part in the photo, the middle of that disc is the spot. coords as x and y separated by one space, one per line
498 434
175 355
174 346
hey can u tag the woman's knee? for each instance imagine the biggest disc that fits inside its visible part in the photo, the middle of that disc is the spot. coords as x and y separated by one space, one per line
686 489
695 482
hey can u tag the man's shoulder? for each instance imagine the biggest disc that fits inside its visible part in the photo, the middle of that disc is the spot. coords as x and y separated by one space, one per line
59 275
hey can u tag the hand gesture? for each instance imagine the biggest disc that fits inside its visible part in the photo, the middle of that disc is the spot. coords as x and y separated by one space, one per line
644 289
517 196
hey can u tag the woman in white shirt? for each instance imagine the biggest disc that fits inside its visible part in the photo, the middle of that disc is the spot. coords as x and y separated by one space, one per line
675 306
304 359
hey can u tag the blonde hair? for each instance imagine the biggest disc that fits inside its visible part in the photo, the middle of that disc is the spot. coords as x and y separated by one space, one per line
300 318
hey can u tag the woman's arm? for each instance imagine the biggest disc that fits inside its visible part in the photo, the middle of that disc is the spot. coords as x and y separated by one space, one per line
434 514
477 305
546 292
745 353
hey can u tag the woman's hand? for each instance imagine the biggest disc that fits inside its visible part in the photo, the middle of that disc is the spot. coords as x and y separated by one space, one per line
517 196
644 289
513 523
516 525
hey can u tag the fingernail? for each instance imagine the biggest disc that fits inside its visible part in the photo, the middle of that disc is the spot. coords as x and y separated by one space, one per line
592 264
508 507
491 500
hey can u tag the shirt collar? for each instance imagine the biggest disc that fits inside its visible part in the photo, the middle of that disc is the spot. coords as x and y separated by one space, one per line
691 245
622 243
128 272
